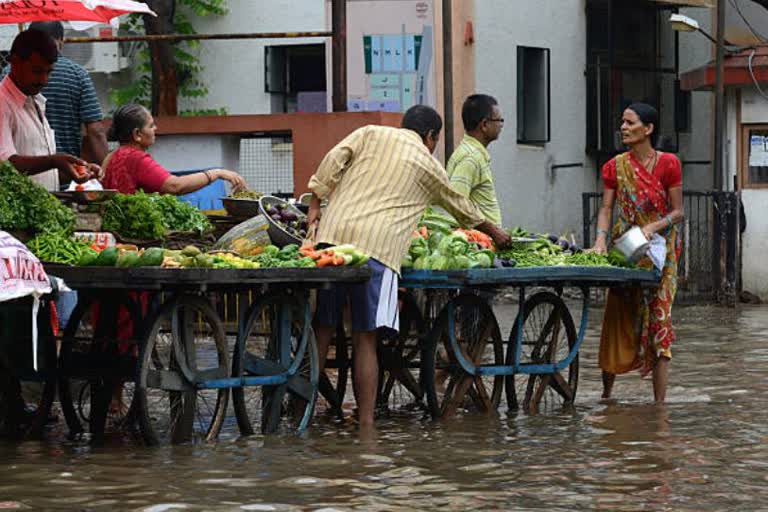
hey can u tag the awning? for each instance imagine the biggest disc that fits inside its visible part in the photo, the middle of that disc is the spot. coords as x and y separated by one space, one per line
736 71
688 3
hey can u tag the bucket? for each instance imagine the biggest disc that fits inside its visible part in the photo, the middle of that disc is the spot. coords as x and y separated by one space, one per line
632 244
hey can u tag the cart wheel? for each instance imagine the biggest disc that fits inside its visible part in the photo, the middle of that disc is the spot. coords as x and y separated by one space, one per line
184 347
548 335
273 335
333 390
27 395
400 359
448 387
92 371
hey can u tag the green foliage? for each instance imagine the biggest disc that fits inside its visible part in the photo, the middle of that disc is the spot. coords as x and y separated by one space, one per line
186 57
144 216
179 215
26 206
133 216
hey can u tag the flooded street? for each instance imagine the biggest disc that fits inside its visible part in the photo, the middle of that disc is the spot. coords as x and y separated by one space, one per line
707 449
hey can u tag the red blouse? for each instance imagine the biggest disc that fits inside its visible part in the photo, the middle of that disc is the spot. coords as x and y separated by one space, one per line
667 170
130 169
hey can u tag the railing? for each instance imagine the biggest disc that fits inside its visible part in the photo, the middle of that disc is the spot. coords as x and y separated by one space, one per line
709 269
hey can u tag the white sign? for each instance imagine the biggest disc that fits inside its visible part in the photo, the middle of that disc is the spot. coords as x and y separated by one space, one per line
758 151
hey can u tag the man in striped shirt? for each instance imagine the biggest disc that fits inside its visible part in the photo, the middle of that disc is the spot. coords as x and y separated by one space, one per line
378 181
469 167
71 103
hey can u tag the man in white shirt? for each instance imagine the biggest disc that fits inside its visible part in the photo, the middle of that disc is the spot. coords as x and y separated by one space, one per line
26 138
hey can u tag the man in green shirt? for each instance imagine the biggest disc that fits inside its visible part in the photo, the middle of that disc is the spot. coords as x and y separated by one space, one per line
469 167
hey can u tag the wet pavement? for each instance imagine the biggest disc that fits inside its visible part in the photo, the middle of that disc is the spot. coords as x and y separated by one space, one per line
705 450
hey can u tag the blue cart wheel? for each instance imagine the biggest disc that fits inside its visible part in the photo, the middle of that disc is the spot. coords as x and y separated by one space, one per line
548 335
400 359
93 369
449 389
276 338
185 345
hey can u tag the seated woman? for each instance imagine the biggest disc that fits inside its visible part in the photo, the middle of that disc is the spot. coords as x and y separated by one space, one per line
130 168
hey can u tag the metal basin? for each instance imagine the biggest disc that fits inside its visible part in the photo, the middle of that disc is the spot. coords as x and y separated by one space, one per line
632 244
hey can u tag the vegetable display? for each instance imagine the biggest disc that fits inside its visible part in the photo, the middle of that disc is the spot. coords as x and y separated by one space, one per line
58 247
150 216
288 219
245 194
26 206
451 251
179 215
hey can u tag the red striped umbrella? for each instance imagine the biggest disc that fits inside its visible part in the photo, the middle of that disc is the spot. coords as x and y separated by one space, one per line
27 11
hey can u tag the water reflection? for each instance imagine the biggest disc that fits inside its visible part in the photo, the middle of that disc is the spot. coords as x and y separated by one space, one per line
704 450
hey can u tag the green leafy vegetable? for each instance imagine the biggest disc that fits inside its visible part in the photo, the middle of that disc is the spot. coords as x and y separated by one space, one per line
26 206
150 216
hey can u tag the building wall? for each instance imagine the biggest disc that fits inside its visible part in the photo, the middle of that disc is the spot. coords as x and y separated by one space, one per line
696 151
233 70
754 109
530 194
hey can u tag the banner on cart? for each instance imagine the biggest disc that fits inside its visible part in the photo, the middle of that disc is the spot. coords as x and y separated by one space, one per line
21 273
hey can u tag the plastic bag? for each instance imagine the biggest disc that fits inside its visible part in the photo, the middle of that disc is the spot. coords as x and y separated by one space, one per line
247 238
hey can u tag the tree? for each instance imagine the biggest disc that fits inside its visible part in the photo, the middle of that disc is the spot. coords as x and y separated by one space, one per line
164 84
167 70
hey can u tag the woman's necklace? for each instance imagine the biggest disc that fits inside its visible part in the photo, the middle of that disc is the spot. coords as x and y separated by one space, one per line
650 160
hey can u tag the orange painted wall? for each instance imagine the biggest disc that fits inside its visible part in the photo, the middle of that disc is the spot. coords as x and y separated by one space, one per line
313 134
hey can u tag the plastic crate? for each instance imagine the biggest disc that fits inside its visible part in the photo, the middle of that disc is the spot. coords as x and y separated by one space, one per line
208 197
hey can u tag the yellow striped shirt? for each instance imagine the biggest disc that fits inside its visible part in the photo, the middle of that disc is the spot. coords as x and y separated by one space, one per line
378 182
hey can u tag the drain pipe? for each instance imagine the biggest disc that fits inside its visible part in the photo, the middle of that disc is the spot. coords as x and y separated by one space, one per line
448 77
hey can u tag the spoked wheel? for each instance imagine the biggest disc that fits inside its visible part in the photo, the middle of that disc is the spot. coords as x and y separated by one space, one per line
185 347
277 339
548 336
400 359
97 371
26 395
448 387
333 384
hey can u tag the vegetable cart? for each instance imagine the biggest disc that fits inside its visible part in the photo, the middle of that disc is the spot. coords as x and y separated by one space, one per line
155 352
454 357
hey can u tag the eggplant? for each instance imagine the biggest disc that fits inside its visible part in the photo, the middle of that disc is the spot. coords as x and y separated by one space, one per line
553 238
272 211
289 216
302 233
276 218
564 244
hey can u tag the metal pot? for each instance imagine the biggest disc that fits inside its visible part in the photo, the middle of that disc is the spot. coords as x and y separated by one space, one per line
632 244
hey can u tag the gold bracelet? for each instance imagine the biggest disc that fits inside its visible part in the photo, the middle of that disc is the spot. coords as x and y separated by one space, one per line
207 175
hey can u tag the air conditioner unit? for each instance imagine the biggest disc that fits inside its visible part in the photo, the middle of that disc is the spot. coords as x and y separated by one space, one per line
96 57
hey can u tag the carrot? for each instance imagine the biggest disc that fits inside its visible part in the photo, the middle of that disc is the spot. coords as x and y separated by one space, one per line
338 261
423 231
325 261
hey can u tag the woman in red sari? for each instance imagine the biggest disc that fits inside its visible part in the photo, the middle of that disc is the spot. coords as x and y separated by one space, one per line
647 187
130 168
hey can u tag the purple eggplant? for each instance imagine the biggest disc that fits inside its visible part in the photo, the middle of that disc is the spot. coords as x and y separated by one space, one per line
288 216
564 244
553 238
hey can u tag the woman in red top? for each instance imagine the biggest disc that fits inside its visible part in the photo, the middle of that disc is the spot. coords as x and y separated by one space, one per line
647 187
129 167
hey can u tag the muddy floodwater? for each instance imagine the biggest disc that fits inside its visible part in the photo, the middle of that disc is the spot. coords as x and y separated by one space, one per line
707 449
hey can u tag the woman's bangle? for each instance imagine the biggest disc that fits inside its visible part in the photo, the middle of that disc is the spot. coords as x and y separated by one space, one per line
208 175
669 221
602 232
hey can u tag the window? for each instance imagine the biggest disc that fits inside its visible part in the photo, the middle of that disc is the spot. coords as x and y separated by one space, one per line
533 95
295 77
755 157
